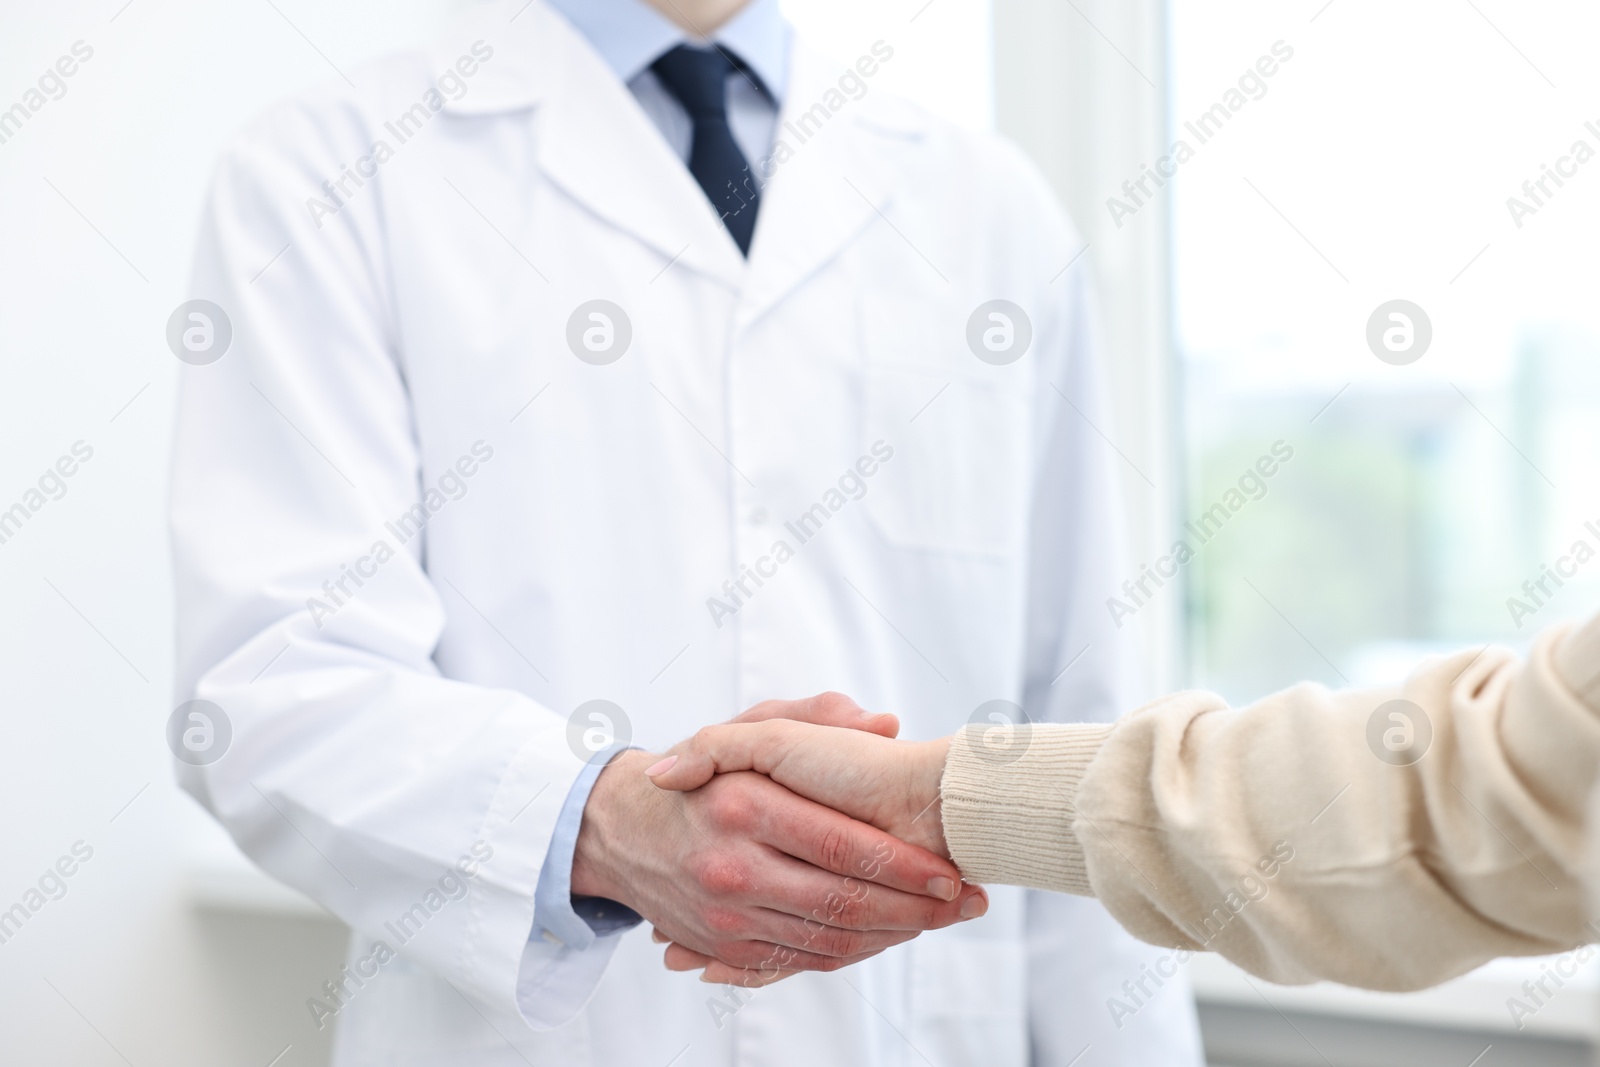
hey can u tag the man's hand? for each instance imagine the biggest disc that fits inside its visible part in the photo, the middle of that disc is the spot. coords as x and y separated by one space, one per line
746 873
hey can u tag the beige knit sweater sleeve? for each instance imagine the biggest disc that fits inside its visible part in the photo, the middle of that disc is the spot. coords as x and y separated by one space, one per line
1314 834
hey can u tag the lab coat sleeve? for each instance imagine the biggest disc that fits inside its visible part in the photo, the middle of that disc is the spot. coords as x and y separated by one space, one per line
1081 667
417 808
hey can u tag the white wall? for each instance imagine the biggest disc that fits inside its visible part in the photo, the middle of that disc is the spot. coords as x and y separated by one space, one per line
99 193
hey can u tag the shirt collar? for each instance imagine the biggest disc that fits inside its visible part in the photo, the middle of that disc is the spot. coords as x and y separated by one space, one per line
630 35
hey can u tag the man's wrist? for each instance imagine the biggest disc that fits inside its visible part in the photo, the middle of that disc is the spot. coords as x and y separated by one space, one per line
594 866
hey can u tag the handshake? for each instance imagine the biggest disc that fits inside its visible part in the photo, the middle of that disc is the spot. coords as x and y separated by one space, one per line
803 836
798 837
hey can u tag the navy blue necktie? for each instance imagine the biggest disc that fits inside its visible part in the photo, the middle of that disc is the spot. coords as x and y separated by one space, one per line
698 79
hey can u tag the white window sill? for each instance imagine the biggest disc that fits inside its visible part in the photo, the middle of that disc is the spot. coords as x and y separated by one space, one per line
1476 1001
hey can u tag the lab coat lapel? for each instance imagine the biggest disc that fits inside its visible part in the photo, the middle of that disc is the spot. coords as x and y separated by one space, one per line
600 148
832 177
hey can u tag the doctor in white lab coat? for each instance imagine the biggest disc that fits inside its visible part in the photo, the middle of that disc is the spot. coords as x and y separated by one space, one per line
498 452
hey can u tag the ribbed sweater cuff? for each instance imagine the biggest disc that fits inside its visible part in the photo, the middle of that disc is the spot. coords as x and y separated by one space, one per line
1008 800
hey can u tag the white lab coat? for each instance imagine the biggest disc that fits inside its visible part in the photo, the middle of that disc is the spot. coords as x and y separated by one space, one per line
384 731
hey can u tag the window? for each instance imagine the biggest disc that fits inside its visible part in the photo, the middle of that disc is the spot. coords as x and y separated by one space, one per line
1335 161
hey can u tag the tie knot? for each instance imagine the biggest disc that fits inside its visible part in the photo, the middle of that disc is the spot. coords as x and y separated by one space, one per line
697 78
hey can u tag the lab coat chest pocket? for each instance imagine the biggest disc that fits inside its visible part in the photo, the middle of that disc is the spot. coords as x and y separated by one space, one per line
969 1001
959 428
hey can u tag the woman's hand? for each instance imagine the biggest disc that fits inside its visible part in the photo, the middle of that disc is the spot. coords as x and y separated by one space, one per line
894 785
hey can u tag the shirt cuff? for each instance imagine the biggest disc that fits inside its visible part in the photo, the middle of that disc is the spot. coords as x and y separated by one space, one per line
558 916
1008 804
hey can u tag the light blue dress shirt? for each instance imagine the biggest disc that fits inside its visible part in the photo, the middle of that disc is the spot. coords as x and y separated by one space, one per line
630 35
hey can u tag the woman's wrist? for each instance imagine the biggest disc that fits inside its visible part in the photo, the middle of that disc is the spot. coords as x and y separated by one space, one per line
925 773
